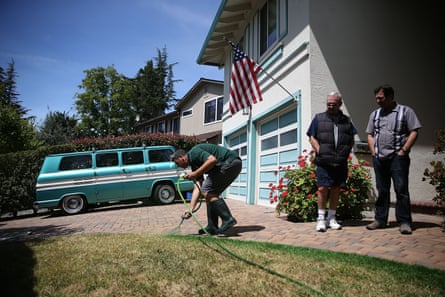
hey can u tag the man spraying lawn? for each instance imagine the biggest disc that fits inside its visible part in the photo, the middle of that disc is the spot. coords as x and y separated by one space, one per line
222 167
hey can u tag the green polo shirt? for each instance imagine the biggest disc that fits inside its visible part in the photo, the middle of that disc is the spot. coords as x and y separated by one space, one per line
201 152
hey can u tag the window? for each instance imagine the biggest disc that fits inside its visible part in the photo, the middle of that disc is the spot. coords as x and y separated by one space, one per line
161 127
280 131
175 125
157 156
289 137
106 160
187 113
213 110
76 162
269 143
131 158
239 144
268 25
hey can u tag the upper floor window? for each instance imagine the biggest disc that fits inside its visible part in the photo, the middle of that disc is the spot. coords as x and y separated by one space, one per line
268 25
187 112
213 110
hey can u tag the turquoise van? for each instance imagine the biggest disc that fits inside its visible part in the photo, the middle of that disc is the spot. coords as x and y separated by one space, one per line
73 181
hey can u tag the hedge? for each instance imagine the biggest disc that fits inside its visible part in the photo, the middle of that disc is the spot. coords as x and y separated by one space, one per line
19 170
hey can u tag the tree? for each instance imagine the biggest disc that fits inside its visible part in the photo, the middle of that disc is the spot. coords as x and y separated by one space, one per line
8 93
103 106
111 102
166 71
17 132
155 87
57 128
149 99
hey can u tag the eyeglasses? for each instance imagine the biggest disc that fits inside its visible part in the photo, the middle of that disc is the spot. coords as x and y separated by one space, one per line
332 104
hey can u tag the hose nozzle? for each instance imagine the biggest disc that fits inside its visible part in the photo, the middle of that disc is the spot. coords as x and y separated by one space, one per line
186 215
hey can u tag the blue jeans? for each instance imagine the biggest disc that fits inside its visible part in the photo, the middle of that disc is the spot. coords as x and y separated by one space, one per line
397 169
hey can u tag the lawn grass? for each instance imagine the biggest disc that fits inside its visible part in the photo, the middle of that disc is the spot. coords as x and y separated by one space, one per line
173 265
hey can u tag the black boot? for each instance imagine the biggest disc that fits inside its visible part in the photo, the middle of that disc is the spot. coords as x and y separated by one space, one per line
222 210
212 221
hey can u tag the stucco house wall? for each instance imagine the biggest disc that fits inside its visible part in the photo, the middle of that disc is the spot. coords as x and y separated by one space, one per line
362 44
349 46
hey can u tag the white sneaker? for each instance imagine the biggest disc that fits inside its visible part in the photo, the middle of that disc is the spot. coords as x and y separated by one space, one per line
332 223
321 225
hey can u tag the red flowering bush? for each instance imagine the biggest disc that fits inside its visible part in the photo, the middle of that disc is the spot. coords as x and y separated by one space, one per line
296 192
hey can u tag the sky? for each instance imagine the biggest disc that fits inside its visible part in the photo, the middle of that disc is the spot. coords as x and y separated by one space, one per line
52 43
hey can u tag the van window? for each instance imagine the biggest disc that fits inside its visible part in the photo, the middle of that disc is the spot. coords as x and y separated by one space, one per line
157 156
106 160
75 162
131 158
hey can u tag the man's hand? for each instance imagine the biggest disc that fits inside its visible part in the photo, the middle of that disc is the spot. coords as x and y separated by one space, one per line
187 215
189 175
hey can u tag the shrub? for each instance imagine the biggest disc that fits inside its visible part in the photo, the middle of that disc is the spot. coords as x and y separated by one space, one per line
296 191
436 175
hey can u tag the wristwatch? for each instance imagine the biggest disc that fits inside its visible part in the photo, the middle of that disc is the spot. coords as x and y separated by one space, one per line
404 150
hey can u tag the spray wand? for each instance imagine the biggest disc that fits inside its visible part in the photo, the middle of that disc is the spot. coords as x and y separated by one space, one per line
190 212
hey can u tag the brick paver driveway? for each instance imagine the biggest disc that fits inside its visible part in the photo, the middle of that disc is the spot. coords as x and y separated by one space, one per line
426 246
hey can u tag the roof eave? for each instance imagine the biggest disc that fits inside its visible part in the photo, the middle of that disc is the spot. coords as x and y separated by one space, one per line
229 22
209 35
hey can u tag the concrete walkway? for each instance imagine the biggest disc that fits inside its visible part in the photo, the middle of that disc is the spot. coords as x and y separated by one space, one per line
426 246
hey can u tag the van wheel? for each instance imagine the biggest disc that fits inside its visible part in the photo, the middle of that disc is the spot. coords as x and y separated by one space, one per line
73 204
165 194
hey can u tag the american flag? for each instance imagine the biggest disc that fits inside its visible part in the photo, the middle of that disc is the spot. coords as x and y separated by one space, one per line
244 88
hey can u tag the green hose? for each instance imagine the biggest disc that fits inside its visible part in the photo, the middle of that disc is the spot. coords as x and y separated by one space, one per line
191 211
214 239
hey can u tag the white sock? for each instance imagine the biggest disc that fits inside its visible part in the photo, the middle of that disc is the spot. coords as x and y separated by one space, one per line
331 214
321 214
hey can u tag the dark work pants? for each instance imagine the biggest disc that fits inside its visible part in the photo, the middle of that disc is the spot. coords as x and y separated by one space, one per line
397 170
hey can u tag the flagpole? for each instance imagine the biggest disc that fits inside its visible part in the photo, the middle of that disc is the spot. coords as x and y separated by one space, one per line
278 83
249 193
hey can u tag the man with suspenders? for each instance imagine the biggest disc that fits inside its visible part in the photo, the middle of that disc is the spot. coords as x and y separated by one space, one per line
392 131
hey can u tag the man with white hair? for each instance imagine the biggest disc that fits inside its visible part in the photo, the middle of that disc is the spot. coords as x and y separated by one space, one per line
331 135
